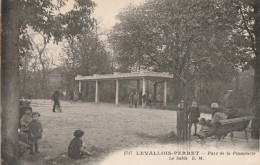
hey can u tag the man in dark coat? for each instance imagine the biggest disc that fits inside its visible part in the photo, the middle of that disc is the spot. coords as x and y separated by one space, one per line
71 96
55 98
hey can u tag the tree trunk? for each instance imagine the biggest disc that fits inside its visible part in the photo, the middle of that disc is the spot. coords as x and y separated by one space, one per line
256 94
10 81
43 82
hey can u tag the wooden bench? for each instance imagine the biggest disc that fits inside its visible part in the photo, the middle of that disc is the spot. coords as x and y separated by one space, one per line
224 127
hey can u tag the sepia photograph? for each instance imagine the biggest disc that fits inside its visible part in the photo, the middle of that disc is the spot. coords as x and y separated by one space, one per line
130 82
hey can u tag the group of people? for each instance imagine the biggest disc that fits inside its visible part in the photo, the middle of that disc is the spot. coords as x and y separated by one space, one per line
30 131
208 127
134 99
73 97
56 99
31 127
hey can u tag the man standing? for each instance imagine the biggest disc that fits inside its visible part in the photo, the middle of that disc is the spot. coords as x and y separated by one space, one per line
136 99
194 114
80 97
131 100
71 96
55 98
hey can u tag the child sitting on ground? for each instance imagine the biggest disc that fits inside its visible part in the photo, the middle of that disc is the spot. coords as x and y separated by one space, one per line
204 130
26 119
76 149
35 132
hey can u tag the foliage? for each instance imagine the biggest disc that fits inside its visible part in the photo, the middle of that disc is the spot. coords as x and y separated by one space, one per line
192 40
40 19
87 56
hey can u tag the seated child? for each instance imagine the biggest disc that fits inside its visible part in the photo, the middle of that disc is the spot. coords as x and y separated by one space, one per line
35 132
26 119
76 149
204 130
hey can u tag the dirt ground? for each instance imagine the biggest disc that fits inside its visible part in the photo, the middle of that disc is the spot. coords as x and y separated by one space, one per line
107 128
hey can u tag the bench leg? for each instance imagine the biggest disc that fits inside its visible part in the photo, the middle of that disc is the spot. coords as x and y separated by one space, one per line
232 137
246 135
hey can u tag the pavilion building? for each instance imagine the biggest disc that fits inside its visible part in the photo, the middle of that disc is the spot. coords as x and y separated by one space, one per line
117 76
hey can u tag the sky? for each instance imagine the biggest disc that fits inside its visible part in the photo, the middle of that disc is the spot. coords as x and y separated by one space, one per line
105 12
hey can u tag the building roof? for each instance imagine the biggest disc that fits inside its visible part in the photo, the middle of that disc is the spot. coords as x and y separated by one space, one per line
132 76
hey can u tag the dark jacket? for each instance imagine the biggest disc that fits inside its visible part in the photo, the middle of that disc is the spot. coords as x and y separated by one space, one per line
194 113
35 130
55 96
74 148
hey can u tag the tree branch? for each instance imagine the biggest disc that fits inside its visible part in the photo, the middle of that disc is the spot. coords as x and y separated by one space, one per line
247 28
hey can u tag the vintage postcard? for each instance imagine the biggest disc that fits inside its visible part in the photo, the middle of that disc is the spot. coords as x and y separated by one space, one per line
130 82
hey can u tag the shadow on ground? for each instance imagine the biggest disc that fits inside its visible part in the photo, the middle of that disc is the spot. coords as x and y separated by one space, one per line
99 154
63 158
169 138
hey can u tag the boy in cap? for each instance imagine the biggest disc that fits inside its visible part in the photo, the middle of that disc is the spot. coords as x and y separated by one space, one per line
76 147
34 132
194 114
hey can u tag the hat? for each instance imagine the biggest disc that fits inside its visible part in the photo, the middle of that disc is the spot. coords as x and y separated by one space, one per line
214 105
36 113
78 133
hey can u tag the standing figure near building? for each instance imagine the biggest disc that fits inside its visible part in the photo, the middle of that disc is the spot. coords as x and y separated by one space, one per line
71 96
159 100
80 97
194 114
131 100
136 99
56 100
144 100
229 103
149 101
